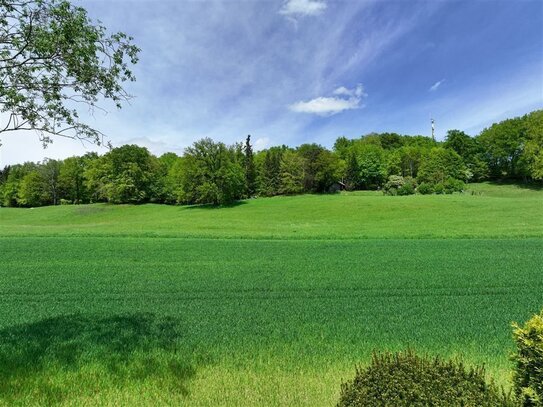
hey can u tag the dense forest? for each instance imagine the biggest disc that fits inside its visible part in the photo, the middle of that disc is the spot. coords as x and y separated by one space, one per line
211 172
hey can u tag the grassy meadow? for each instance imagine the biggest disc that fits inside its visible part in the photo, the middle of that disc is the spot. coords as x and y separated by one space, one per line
271 302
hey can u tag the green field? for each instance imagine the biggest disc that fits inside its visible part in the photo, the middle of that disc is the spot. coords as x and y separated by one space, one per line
269 302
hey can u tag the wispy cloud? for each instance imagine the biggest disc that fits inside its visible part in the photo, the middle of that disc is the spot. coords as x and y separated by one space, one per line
355 92
344 99
303 7
261 143
208 69
436 85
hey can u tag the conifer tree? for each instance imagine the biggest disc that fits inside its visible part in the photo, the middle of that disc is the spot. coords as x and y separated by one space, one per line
250 169
352 172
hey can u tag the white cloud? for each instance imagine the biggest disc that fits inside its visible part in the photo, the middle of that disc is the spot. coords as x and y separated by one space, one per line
328 106
436 85
355 92
155 145
20 146
261 143
303 7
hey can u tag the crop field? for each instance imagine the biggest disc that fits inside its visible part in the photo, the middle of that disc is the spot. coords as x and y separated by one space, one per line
272 302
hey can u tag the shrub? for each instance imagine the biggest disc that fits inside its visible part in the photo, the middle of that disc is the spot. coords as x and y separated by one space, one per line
397 185
453 185
408 188
405 379
394 183
425 188
528 371
439 188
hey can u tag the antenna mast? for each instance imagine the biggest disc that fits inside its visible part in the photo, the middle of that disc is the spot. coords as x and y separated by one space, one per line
433 129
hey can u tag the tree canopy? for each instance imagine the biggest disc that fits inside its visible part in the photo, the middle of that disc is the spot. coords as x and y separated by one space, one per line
53 58
211 172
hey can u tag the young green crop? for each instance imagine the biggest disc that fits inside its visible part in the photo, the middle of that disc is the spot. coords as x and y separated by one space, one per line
93 312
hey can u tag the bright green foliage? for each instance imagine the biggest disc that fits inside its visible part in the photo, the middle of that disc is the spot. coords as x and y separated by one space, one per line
408 188
405 379
169 178
72 179
394 163
352 172
513 148
4 173
425 188
342 147
32 190
471 151
478 168
212 174
168 160
421 142
397 185
394 182
126 174
528 373
439 188
407 157
391 141
12 183
372 164
411 157
504 143
321 167
50 172
441 164
533 151
270 173
174 181
328 171
53 54
463 144
292 173
452 185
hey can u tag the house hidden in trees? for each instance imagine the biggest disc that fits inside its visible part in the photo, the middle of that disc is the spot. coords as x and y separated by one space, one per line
337 186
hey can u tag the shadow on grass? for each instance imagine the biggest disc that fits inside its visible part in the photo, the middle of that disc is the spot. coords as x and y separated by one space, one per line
50 359
211 206
531 185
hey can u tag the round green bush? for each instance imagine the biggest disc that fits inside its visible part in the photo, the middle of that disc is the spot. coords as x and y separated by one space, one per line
528 372
407 189
439 188
393 184
398 185
453 185
405 379
425 188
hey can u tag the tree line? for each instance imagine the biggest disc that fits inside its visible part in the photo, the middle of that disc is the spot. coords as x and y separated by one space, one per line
211 172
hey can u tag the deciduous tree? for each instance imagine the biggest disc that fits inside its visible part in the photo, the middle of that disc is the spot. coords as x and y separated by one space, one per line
53 58
211 174
292 173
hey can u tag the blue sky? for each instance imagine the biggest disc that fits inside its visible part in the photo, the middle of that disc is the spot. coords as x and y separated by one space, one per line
295 71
